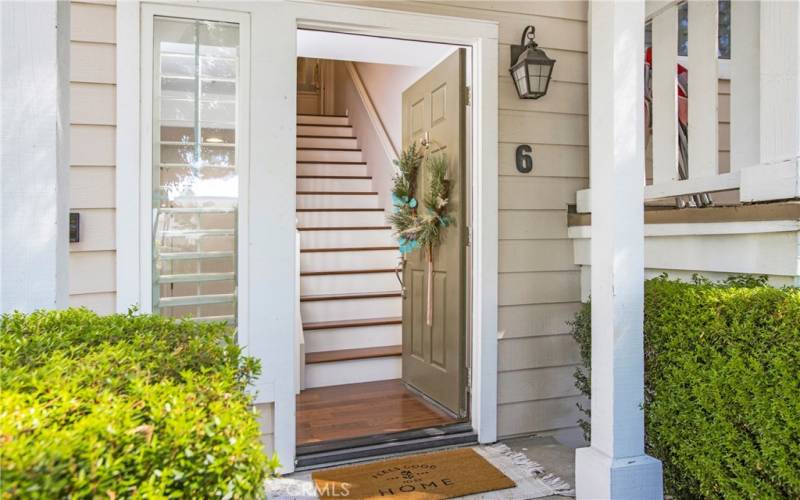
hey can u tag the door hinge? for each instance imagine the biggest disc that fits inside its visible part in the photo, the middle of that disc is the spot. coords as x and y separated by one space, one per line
469 236
467 96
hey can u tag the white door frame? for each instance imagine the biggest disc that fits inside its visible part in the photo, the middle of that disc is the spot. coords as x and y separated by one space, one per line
268 196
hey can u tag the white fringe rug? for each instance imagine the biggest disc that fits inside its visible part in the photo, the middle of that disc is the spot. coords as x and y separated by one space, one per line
531 478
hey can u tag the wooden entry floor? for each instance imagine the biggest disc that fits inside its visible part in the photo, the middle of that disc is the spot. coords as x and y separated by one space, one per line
365 409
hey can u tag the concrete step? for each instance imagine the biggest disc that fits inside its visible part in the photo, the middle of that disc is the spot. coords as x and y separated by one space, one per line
333 183
347 237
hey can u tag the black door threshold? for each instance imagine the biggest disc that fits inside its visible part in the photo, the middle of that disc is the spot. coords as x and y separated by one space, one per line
346 451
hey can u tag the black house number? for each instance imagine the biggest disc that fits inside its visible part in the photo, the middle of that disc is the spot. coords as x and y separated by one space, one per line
524 158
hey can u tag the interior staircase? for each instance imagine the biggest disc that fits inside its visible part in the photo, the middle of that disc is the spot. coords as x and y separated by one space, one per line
349 296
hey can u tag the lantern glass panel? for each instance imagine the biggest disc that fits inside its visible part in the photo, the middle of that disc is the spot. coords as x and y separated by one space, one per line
539 75
521 79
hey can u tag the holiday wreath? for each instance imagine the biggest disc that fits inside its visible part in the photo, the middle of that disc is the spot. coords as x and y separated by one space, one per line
421 227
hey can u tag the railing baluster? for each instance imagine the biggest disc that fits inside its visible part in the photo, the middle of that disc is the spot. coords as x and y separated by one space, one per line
703 81
665 96
745 119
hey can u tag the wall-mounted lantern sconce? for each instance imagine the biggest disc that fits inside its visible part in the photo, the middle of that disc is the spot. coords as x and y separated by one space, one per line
530 67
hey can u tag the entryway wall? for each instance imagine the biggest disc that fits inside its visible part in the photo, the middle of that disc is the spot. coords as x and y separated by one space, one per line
539 285
384 84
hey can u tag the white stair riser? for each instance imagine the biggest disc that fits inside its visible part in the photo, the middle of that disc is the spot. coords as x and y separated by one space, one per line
327 142
353 338
345 239
330 169
343 261
337 201
340 219
353 372
322 120
348 283
317 130
328 155
334 184
337 310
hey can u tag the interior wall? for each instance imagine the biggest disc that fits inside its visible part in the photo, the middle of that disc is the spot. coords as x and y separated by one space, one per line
384 84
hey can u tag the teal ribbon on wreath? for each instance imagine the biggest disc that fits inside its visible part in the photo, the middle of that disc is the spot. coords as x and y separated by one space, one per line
408 246
399 202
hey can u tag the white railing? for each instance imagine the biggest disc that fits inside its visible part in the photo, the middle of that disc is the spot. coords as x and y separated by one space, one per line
764 102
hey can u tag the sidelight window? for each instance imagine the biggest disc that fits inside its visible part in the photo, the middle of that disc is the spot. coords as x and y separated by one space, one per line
195 179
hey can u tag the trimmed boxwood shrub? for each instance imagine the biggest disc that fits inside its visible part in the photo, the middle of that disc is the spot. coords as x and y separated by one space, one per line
722 386
125 406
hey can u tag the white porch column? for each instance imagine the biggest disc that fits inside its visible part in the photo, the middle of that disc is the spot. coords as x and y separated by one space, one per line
615 465
34 161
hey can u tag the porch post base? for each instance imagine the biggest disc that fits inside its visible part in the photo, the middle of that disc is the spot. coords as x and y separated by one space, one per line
600 476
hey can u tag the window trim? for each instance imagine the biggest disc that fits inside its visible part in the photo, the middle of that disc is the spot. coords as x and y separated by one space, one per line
134 282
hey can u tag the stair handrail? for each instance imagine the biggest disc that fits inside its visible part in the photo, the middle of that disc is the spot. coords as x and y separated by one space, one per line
374 117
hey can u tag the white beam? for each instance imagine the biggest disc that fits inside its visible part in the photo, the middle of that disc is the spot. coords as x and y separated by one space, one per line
703 80
780 86
665 96
35 155
745 117
615 465
778 174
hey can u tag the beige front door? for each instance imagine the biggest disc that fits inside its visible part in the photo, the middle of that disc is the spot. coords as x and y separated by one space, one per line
434 356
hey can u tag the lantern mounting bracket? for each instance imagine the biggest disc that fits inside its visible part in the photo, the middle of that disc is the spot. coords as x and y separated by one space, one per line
517 50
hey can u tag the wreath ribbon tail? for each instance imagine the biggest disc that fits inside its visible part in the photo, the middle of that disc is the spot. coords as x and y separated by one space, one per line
429 315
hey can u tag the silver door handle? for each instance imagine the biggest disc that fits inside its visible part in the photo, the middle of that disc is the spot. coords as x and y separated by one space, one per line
398 272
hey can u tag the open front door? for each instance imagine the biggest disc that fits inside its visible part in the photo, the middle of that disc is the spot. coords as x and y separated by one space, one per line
434 357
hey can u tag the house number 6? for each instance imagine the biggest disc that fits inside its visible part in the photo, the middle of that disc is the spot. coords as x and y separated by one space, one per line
524 158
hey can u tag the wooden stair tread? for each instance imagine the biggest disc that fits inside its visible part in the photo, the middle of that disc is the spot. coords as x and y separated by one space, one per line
306 136
346 271
347 249
351 354
339 192
362 177
339 210
323 125
352 323
329 149
345 228
320 115
349 296
318 162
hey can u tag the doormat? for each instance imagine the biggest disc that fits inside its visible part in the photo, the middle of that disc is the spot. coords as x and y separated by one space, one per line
437 475
533 481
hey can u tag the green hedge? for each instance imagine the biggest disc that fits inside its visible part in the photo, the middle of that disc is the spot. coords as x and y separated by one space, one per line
722 386
125 406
